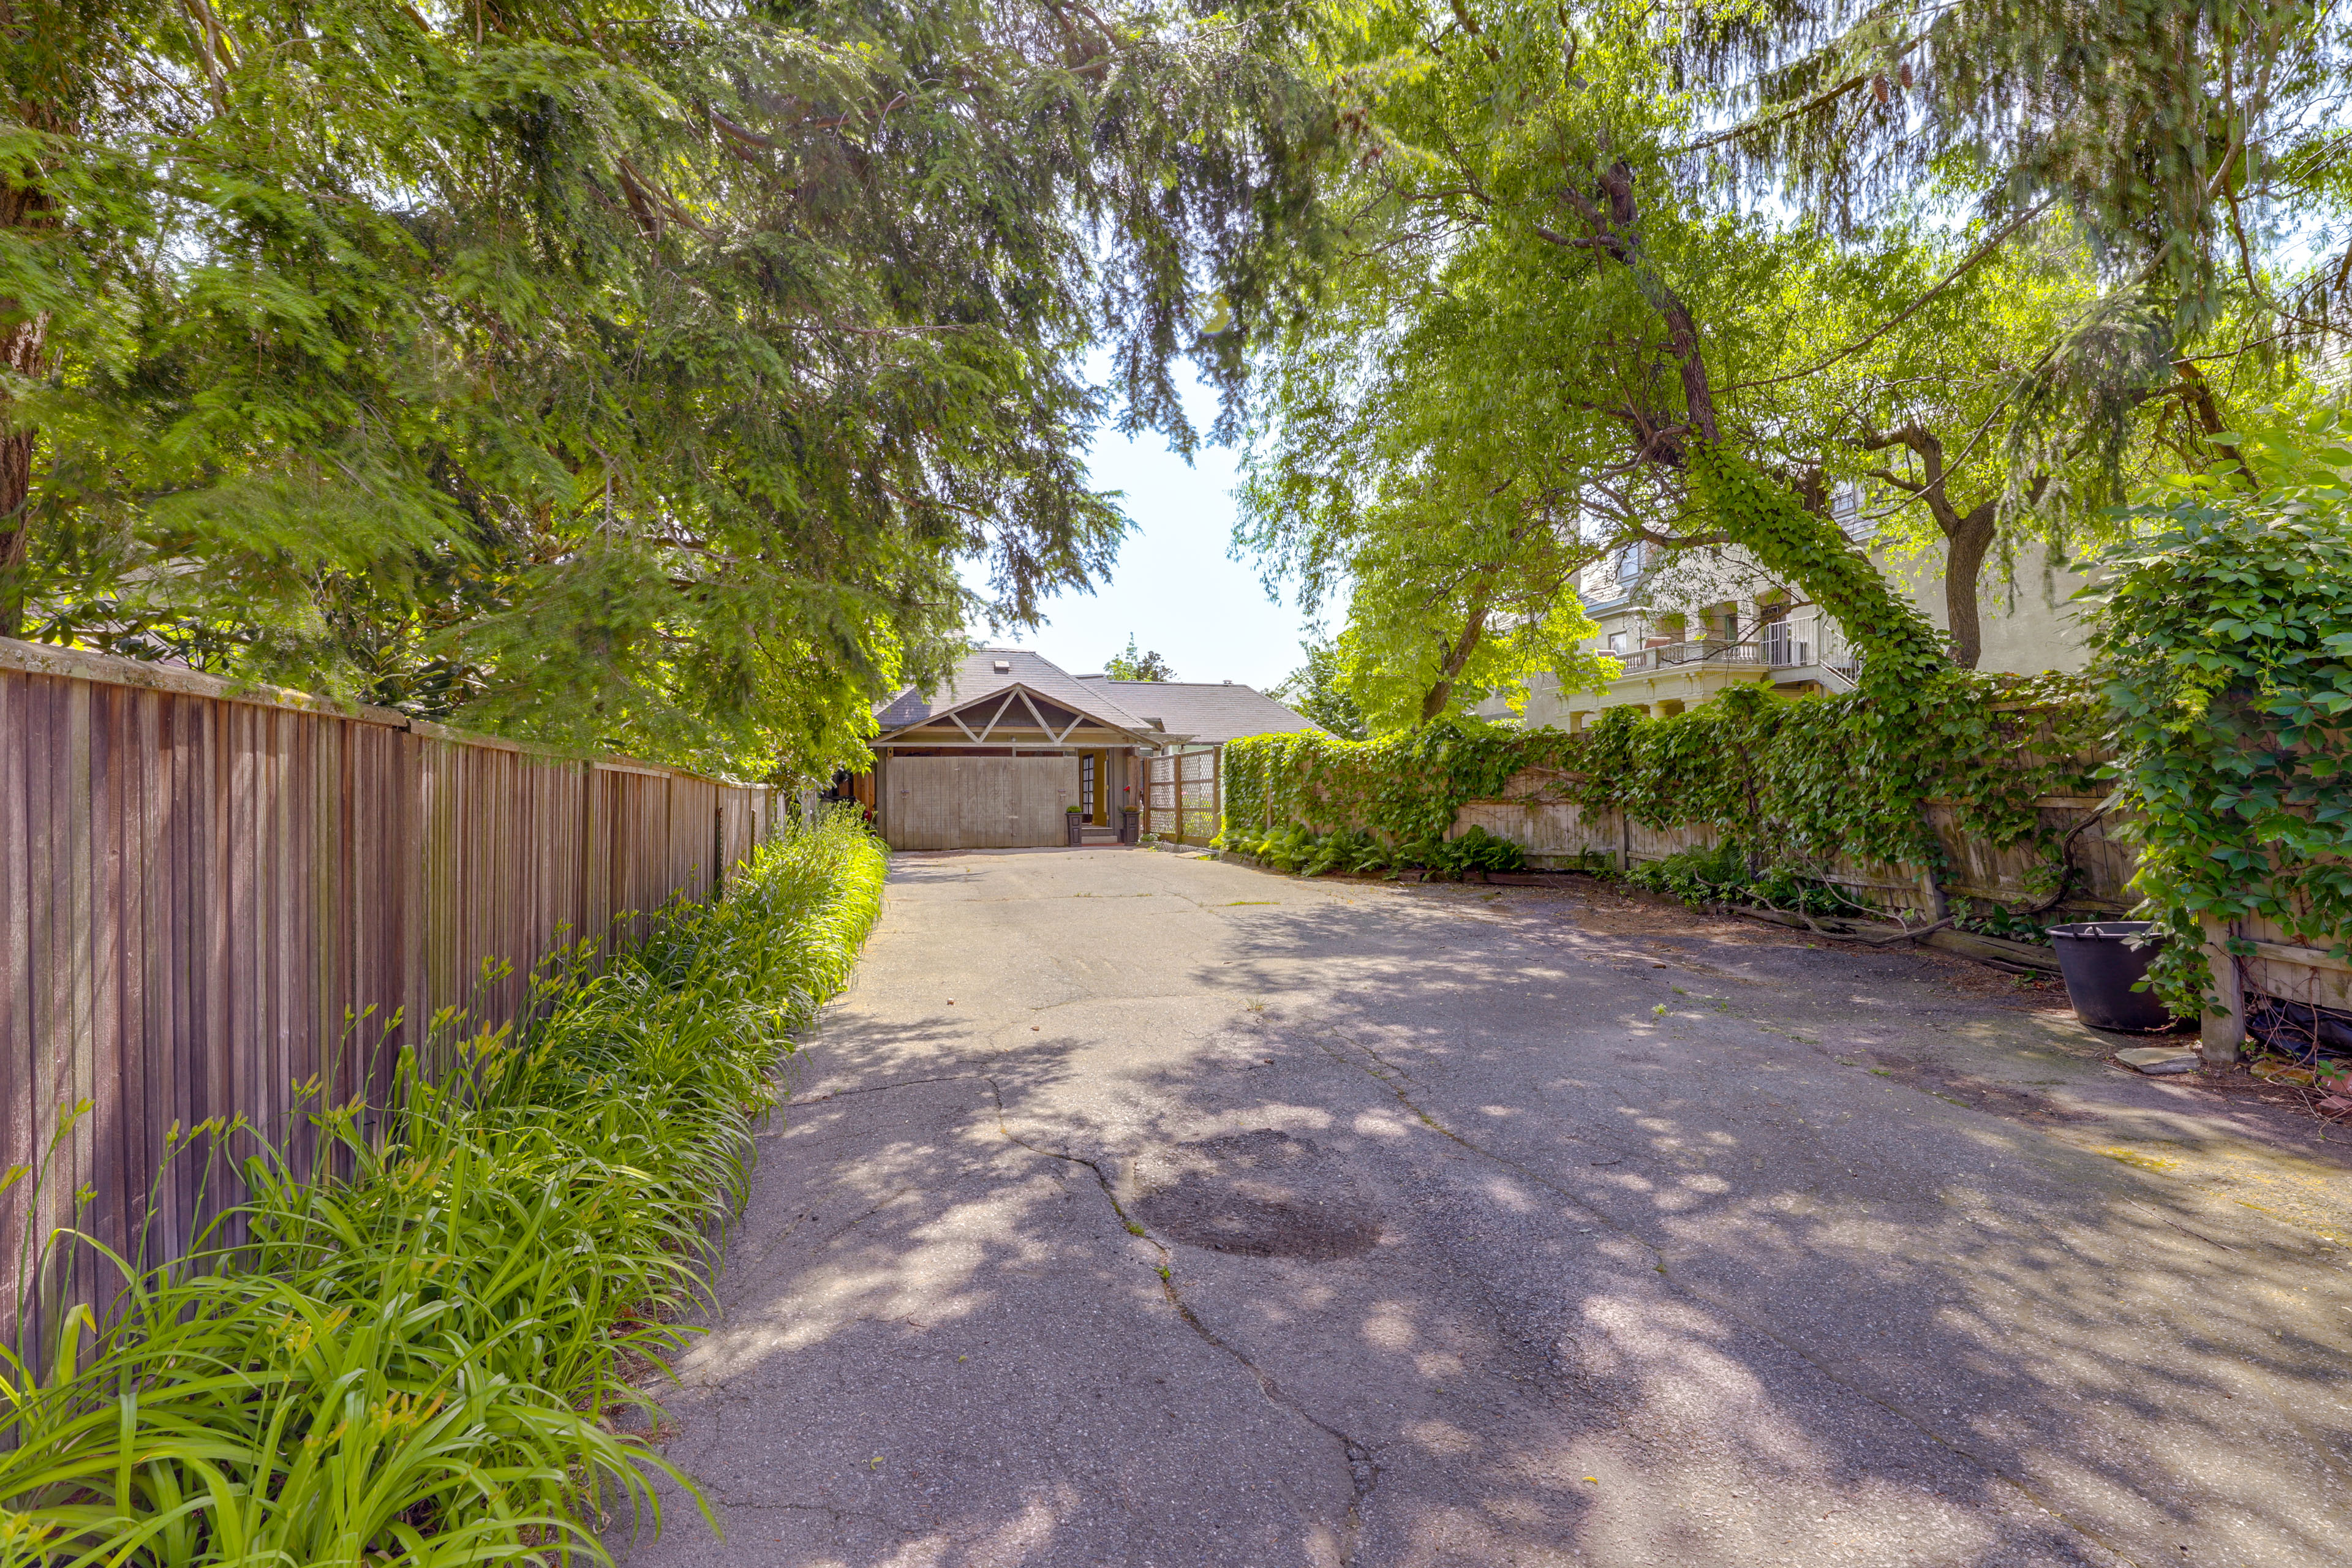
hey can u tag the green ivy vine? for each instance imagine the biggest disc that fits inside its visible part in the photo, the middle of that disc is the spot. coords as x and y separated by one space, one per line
2225 638
2224 697
1794 784
1899 647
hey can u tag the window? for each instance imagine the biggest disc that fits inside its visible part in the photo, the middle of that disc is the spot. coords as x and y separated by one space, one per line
1085 787
1617 642
1629 562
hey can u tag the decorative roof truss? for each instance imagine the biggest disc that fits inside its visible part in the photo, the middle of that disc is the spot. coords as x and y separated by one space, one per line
981 719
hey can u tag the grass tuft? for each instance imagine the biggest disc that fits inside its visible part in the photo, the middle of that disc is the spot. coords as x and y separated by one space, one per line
418 1361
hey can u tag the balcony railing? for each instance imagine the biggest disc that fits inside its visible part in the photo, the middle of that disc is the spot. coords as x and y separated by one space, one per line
1781 652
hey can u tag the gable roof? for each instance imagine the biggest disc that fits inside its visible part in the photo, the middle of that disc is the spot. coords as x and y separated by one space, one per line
1203 711
976 677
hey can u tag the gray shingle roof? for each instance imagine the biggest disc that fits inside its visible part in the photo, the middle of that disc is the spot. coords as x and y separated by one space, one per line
1220 712
976 675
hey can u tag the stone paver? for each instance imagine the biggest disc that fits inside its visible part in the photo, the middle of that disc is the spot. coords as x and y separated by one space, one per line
1134 1209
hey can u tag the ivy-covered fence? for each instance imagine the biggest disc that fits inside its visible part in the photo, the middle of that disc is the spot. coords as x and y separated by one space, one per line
2225 636
1985 792
2216 738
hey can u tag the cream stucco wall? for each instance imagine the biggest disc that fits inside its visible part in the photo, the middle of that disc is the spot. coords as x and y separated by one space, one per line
2027 623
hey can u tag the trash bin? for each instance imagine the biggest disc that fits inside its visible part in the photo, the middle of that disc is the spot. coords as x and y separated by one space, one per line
2101 966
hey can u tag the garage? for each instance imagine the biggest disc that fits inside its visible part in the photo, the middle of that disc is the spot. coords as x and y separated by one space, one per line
978 801
1013 753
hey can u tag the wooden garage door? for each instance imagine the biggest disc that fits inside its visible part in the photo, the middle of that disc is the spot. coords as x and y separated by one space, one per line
979 803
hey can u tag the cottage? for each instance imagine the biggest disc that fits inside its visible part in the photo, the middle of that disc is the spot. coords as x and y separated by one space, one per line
1014 747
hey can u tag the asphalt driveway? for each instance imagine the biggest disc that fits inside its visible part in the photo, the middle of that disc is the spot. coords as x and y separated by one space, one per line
1134 1209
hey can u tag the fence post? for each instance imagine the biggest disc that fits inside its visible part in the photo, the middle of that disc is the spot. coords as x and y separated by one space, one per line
2222 1035
1216 794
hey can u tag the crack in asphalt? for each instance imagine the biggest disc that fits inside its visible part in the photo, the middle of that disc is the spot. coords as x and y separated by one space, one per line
1389 1079
1363 1469
877 1087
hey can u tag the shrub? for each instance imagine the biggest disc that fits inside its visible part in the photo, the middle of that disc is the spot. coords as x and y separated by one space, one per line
1804 783
1303 852
2225 641
1719 875
416 1360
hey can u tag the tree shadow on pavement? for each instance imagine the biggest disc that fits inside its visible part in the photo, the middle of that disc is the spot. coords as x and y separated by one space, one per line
1653 1281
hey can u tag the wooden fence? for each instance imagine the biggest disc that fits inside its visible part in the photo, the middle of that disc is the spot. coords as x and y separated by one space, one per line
1534 813
1183 796
210 894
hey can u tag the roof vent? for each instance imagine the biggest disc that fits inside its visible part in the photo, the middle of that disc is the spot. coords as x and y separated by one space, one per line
1228 683
1004 667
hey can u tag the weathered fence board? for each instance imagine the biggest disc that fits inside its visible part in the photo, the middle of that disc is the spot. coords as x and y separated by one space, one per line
1534 814
1183 796
1554 831
212 896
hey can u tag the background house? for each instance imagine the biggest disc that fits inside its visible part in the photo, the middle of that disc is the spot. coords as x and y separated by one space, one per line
1203 714
1013 745
1685 628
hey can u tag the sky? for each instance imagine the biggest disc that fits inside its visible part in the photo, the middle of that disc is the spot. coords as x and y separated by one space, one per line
1175 585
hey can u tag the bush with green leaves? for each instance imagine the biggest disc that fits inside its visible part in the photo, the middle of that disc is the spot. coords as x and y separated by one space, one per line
1800 784
1699 876
2224 636
415 1360
1305 853
1721 874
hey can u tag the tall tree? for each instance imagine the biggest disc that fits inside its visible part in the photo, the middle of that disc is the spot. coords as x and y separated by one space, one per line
1508 307
1701 357
2194 143
621 373
1133 666
1318 689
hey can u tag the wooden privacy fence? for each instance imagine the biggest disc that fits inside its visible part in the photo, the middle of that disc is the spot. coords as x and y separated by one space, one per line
1534 813
210 894
1183 796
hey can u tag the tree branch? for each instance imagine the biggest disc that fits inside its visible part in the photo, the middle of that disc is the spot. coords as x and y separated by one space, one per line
1915 306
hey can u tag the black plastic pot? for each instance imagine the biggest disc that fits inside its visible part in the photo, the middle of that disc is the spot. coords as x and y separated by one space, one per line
2101 967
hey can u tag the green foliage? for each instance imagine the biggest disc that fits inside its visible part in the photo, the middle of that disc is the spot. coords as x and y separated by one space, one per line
1496 394
1794 784
1296 849
1720 874
1413 652
415 1360
1302 852
1134 666
1553 312
2225 645
1799 544
1476 850
611 373
1402 789
1317 689
2192 141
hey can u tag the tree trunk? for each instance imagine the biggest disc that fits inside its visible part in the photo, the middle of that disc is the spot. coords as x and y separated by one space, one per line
1965 548
1458 655
24 350
1967 536
1769 519
21 350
